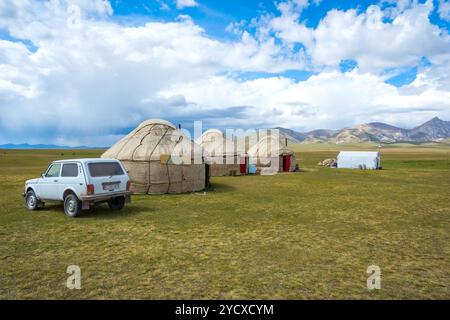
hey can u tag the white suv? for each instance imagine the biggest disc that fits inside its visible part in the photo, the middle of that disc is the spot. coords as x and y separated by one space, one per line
80 183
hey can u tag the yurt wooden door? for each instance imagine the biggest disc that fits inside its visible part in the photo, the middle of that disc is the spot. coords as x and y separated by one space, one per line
243 166
207 175
286 163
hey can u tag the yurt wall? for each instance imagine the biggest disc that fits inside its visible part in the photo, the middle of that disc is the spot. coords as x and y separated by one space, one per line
221 154
261 155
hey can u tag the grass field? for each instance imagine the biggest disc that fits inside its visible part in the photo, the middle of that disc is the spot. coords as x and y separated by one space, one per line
298 236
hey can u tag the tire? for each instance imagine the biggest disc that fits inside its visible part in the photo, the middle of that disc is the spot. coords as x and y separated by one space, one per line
31 201
72 206
117 203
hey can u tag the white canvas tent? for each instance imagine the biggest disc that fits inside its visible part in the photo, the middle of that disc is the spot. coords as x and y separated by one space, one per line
268 150
160 158
222 154
359 160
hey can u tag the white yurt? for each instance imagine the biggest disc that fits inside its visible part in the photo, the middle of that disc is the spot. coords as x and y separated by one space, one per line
160 158
222 154
267 151
359 160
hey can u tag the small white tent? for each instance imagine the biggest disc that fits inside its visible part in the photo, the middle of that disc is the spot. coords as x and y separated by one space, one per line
359 160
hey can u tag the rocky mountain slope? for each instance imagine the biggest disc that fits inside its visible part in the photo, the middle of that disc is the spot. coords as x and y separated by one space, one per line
433 130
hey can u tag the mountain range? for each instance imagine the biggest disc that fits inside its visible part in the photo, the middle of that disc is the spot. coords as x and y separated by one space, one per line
433 130
42 146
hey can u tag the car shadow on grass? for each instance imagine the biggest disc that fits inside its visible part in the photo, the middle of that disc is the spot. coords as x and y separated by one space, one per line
101 211
104 212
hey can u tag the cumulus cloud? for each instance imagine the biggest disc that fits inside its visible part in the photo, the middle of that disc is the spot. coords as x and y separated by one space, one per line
327 100
444 10
186 3
90 78
367 37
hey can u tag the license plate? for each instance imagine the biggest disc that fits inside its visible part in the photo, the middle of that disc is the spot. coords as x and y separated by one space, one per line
110 186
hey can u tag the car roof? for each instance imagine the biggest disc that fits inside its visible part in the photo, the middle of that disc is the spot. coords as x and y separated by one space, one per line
84 160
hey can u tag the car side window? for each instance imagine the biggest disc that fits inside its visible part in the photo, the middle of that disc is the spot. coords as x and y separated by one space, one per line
53 171
69 170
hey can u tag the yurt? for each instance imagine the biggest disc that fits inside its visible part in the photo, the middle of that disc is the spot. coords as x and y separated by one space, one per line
266 151
359 160
222 154
160 158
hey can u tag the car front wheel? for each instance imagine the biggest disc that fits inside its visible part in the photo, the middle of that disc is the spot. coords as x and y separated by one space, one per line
31 201
72 206
116 203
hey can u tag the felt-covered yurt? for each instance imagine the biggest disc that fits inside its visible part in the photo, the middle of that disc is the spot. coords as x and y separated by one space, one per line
222 154
160 158
265 153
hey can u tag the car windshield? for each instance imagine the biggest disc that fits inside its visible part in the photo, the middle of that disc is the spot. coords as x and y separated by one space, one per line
53 171
105 169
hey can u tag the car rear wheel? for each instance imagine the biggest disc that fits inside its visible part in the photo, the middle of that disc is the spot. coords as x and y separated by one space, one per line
116 203
31 201
72 206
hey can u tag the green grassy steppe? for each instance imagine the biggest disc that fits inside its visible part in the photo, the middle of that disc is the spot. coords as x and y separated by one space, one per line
298 236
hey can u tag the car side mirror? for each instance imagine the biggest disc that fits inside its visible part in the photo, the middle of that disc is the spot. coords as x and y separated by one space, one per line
43 175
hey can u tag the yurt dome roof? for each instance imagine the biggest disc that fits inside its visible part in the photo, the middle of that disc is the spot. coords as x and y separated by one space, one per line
155 121
215 143
263 148
212 132
152 139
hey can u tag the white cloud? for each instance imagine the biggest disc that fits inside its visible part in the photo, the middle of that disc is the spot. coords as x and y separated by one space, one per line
444 10
186 3
367 37
327 100
287 26
91 79
236 27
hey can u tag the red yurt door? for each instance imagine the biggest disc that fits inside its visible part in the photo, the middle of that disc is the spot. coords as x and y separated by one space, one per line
243 166
286 163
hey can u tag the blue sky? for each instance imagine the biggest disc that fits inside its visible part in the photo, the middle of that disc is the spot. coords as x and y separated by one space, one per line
214 16
302 64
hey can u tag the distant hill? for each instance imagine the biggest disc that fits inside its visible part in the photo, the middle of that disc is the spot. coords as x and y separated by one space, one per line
435 130
42 146
292 135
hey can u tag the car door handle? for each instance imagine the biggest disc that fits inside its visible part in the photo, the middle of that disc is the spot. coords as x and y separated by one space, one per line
55 180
